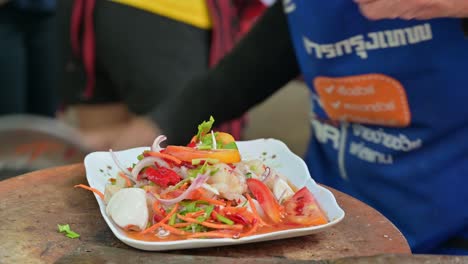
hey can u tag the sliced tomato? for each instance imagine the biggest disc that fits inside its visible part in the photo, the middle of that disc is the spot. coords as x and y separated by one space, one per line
303 209
266 199
188 154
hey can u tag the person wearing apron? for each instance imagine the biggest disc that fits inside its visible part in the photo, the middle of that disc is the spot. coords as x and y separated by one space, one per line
389 117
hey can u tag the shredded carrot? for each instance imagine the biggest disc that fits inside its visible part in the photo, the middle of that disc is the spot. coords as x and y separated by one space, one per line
213 234
127 180
212 201
158 224
234 210
252 230
173 230
210 225
202 191
188 219
195 214
178 225
96 191
156 206
164 156
254 210
184 186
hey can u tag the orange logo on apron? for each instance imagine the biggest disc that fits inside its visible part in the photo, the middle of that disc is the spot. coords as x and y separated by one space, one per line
370 99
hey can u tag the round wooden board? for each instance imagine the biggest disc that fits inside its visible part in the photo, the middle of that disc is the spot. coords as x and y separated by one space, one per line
33 204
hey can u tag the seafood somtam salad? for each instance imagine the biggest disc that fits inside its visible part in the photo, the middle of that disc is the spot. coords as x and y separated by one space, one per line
204 190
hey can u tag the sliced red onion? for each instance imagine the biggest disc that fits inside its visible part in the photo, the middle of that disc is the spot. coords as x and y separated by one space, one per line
157 142
197 183
266 174
121 167
145 162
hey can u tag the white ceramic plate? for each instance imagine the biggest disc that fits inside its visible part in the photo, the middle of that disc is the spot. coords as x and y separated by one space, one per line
99 167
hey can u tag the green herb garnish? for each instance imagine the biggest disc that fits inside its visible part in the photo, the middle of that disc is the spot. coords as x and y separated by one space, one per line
204 128
224 219
68 231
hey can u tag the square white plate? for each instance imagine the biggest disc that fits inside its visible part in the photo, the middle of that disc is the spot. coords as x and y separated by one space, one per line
100 167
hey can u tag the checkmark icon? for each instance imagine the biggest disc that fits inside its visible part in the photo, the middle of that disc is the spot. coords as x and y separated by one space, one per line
336 104
330 89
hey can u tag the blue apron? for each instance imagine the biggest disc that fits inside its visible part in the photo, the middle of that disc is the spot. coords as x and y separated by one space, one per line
36 5
390 123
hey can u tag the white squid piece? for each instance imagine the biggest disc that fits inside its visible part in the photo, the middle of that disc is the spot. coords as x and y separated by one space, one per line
282 190
128 209
229 182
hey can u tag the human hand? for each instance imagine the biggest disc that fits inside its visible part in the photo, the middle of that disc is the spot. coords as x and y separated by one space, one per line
413 9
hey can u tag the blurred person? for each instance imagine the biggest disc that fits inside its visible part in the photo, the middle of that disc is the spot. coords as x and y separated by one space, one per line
27 57
388 85
122 58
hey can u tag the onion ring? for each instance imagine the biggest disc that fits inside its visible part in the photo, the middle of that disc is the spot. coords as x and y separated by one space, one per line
197 183
145 162
157 142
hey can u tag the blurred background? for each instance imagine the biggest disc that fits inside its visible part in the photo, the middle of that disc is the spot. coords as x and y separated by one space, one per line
54 54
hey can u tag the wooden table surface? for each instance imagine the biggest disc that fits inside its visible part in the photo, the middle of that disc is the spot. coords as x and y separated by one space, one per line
32 205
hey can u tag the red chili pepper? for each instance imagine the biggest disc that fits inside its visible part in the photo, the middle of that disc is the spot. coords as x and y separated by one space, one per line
238 219
162 176
157 217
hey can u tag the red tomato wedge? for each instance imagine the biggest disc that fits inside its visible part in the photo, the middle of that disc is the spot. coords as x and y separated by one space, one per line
188 154
303 209
266 199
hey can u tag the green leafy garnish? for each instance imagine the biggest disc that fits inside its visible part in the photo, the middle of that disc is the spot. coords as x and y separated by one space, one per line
68 231
204 128
208 212
192 173
196 228
213 172
191 207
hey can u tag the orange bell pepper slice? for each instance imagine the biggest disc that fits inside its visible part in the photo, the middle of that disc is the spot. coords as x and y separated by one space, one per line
188 154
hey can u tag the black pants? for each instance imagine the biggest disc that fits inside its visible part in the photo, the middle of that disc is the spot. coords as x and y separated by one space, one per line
27 62
141 57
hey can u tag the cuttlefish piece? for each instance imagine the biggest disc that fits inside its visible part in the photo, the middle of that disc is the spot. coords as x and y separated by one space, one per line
128 209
